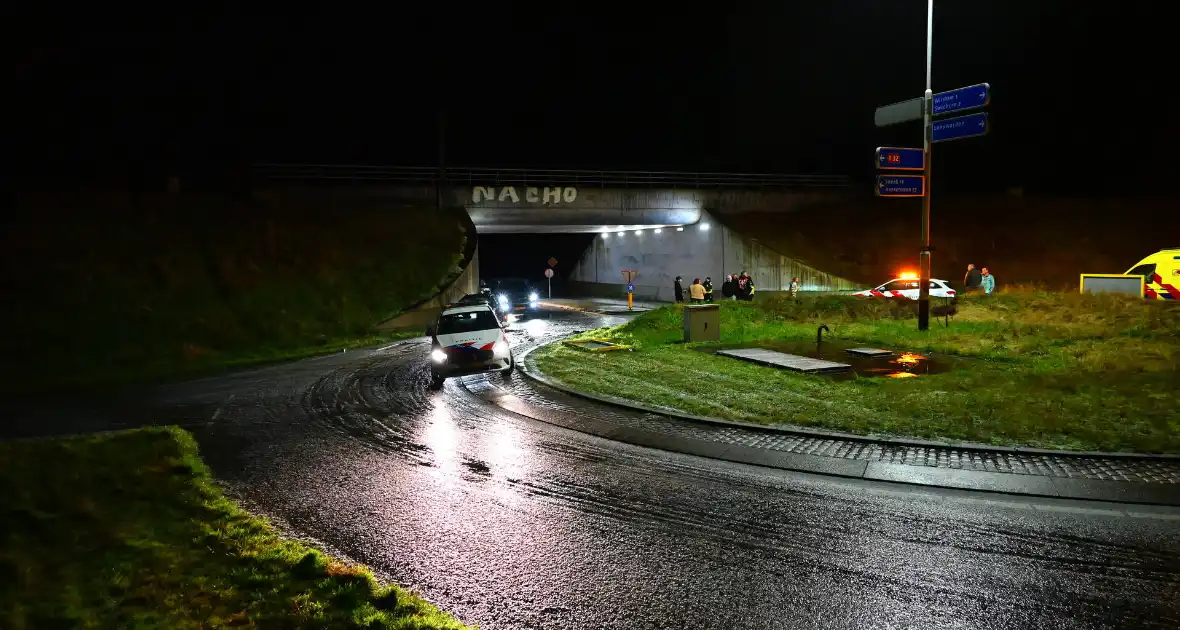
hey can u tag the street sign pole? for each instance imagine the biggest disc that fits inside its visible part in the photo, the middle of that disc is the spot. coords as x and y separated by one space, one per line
924 255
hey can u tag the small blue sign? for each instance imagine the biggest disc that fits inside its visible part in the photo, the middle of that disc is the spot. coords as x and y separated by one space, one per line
967 126
893 158
968 97
630 288
901 185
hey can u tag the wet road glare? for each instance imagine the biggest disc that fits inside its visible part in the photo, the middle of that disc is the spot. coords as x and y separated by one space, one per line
512 523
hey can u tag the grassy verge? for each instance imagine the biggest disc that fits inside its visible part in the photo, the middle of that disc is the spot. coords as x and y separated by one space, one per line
160 288
1050 370
126 530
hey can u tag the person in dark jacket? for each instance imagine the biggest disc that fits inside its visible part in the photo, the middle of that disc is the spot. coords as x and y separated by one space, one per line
708 289
743 291
973 280
727 287
678 290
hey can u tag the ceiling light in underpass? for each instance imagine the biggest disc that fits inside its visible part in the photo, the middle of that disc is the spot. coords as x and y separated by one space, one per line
658 230
680 229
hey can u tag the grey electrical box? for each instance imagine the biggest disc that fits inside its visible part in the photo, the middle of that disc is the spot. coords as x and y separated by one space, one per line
702 323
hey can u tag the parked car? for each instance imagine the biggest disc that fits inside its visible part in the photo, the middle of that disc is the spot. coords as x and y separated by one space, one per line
907 287
468 340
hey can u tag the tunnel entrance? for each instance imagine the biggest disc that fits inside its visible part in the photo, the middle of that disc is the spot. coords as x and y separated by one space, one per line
526 256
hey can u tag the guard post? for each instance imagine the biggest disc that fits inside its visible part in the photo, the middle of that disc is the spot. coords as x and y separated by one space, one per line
629 278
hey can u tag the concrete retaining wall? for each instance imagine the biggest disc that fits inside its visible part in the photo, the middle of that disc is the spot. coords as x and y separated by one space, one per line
569 208
706 249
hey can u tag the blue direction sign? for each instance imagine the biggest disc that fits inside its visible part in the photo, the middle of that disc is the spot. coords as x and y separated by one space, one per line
968 97
957 128
630 288
900 185
893 158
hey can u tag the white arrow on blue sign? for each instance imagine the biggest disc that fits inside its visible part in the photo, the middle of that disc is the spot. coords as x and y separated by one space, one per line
900 185
900 159
968 97
967 126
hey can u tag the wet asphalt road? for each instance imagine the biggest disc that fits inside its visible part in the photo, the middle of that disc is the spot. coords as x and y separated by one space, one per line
512 523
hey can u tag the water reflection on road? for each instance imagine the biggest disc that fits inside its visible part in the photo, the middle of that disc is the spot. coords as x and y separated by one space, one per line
513 523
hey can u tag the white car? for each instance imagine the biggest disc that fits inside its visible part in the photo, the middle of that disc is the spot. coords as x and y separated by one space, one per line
908 288
468 340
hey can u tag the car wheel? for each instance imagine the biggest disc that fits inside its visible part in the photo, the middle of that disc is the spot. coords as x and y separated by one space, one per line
436 381
507 372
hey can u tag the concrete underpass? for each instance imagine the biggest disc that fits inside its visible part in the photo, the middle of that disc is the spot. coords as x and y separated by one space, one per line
660 224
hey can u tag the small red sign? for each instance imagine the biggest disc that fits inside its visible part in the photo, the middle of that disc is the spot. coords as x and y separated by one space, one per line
552 262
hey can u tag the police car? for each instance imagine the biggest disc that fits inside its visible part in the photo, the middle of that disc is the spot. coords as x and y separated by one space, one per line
907 287
468 340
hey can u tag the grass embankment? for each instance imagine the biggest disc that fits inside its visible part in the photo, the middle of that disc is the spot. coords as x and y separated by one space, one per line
1022 240
1053 370
165 287
126 530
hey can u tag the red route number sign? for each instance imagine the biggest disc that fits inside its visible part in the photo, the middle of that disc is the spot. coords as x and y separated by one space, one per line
552 262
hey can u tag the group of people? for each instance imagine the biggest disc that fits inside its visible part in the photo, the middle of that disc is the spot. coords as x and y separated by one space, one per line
977 280
736 287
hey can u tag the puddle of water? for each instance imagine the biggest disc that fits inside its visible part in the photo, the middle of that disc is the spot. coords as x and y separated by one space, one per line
900 364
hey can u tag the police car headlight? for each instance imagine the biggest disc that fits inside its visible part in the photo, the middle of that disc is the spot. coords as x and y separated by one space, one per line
438 356
503 300
500 348
533 297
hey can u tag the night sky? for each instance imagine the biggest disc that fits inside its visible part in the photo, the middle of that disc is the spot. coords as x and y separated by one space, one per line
1080 90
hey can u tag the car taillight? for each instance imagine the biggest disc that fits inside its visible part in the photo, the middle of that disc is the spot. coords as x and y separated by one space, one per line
950 292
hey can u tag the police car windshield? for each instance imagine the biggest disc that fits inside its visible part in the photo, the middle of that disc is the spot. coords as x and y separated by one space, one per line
455 323
514 285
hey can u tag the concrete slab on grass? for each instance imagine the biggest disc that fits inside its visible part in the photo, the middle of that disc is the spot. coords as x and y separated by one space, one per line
869 352
777 359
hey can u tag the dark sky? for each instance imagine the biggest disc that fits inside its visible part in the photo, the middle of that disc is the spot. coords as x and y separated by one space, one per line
1081 97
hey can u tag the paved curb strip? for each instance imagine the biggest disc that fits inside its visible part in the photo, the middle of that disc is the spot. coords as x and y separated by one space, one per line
1162 493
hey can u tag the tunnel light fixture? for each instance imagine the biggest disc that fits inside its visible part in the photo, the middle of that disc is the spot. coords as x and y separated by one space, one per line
605 234
704 226
620 233
658 230
680 229
638 232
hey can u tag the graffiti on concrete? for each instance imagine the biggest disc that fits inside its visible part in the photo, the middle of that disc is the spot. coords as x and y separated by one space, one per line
532 194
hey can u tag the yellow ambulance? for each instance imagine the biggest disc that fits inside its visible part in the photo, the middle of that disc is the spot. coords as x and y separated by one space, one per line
1161 273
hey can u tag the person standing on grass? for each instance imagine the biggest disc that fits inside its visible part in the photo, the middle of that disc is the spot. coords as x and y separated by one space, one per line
743 286
708 284
678 290
972 280
987 281
727 287
794 288
696 291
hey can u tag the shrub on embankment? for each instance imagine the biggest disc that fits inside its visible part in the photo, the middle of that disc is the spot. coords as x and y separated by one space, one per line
1020 239
122 289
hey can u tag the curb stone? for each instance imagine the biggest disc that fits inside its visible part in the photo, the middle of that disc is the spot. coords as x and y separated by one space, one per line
539 377
1117 491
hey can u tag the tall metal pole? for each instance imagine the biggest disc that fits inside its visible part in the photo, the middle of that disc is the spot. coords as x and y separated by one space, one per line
442 160
924 256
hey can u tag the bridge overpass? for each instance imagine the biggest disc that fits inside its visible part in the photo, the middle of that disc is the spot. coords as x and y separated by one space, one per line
530 201
628 209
